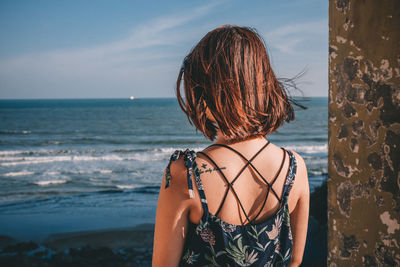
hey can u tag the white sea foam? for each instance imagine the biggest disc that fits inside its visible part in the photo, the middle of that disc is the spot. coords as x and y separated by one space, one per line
50 182
35 160
14 158
170 150
16 132
78 172
21 173
12 152
318 172
163 153
11 158
40 160
105 171
145 157
309 149
312 161
158 154
125 186
95 180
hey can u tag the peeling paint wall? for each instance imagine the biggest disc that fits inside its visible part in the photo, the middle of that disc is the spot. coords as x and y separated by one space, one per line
364 133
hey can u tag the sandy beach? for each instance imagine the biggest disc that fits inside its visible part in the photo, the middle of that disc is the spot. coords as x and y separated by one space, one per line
111 247
132 246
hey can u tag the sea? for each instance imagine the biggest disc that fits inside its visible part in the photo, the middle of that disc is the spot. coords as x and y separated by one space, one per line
85 164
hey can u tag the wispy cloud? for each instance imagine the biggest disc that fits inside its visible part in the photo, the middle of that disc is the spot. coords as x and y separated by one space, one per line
122 62
286 38
146 60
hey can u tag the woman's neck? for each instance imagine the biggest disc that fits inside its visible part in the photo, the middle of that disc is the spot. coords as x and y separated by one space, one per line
221 139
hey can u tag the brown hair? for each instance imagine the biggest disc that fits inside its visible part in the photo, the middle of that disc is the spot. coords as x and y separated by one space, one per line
228 72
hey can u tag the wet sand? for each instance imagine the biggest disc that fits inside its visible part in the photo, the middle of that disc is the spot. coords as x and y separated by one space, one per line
109 247
115 239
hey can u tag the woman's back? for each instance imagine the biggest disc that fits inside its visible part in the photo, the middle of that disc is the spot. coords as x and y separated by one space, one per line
251 190
221 230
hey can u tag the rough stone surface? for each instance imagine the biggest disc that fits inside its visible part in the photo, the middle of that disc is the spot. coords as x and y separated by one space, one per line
364 133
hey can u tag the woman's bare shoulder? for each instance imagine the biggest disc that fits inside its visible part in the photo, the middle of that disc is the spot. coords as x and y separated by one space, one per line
177 179
301 169
300 186
301 166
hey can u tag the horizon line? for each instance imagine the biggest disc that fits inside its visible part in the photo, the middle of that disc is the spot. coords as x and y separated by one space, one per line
127 98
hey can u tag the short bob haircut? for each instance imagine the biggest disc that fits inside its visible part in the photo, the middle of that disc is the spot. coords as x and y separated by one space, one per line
228 72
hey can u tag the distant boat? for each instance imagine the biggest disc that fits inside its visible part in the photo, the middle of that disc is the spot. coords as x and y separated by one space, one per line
132 97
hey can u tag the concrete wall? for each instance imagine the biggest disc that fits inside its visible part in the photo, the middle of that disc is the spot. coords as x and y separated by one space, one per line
364 133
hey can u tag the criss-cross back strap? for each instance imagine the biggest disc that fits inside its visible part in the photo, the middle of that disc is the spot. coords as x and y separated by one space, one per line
230 184
251 164
270 188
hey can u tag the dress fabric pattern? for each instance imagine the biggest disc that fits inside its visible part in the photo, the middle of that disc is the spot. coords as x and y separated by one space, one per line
214 242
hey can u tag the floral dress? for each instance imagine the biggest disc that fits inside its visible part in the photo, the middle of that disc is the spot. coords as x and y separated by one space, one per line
214 242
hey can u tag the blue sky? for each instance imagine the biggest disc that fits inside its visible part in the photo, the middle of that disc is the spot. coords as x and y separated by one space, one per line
97 49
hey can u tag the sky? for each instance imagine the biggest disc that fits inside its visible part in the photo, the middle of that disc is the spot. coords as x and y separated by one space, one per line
117 49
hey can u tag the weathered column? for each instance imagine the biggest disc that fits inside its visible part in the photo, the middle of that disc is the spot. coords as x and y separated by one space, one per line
364 133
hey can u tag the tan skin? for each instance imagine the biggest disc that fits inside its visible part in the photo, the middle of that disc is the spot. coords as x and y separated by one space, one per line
175 208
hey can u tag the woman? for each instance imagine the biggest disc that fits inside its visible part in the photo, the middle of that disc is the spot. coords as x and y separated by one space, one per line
241 201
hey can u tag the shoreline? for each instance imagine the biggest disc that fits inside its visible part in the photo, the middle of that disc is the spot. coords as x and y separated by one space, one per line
116 247
125 246
114 238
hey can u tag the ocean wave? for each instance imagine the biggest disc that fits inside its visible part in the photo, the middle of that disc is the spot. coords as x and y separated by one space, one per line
96 179
77 172
171 142
170 150
311 138
143 157
4 154
157 154
41 160
146 157
312 161
147 189
310 149
105 171
18 157
123 150
89 140
317 172
125 186
110 191
12 152
15 132
52 173
21 173
13 158
50 182
133 188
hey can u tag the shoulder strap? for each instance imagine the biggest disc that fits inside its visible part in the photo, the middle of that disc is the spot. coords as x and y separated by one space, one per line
189 160
290 176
